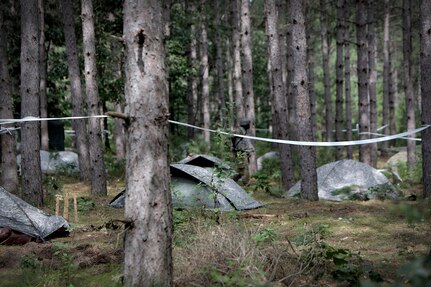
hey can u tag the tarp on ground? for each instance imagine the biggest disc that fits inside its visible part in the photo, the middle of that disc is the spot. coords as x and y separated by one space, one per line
20 216
197 187
204 160
348 179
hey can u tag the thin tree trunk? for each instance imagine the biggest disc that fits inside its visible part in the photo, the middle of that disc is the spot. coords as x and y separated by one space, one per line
299 87
247 75
219 62
426 94
347 84
76 90
326 76
362 67
148 241
192 92
237 77
98 174
230 92
44 140
408 83
372 79
8 174
393 98
339 116
386 73
120 137
310 62
30 137
204 70
279 100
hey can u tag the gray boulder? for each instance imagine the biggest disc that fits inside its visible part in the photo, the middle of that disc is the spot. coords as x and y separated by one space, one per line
268 155
51 163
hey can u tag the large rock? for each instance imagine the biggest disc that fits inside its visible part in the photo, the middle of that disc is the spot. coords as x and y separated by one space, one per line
349 179
268 155
56 162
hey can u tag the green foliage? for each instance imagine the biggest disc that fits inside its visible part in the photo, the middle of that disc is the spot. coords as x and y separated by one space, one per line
268 179
266 235
85 204
235 277
413 214
116 168
410 175
29 261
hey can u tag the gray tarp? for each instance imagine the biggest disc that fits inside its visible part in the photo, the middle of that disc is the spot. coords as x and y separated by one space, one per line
204 160
20 216
355 177
195 187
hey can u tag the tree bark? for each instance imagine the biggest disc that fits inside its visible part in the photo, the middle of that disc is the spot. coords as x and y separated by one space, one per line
362 67
299 88
372 79
426 94
326 76
148 242
339 116
8 174
219 62
247 75
278 88
192 85
75 89
386 73
98 173
204 70
30 137
44 140
408 83
237 77
347 84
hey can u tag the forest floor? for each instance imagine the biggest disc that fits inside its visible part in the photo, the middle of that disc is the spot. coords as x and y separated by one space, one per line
288 242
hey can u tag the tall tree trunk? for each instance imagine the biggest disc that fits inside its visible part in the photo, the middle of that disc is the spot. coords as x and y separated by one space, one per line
426 94
347 84
8 174
326 76
192 85
98 174
310 62
278 87
386 73
247 75
372 79
44 140
30 138
299 87
237 77
362 67
204 70
339 116
230 92
219 62
393 98
148 242
76 90
408 83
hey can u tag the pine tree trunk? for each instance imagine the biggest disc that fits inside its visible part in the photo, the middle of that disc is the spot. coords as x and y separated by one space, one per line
204 70
247 75
237 77
192 85
362 67
30 131
8 174
148 241
279 100
386 73
372 79
98 174
339 116
408 83
120 137
310 62
299 88
347 84
426 94
393 97
326 76
75 89
230 92
44 139
219 62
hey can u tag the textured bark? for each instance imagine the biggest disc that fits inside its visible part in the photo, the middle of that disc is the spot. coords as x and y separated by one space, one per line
98 173
426 94
8 174
408 82
299 87
230 93
326 76
76 90
237 77
393 95
192 84
362 67
148 242
204 70
30 138
386 73
310 62
347 84
278 88
339 116
44 140
372 73
247 75
219 62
